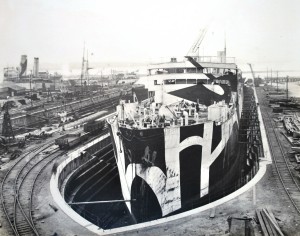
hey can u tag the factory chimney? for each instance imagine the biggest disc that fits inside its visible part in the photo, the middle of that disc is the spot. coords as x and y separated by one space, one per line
23 66
36 67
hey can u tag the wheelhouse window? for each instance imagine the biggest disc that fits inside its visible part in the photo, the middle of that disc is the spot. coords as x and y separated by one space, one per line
201 81
180 70
191 70
170 81
181 81
191 81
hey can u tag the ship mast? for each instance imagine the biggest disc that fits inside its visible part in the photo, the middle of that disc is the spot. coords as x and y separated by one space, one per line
87 70
82 68
225 47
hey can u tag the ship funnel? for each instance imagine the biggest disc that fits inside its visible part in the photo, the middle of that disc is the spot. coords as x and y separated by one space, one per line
173 59
36 67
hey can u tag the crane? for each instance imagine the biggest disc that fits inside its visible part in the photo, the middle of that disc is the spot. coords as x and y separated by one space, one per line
194 50
7 130
256 81
253 75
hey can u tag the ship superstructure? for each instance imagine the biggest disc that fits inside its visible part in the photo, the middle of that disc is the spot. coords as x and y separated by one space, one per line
176 144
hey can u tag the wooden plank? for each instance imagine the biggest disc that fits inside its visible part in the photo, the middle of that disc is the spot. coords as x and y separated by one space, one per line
272 215
278 230
262 223
267 224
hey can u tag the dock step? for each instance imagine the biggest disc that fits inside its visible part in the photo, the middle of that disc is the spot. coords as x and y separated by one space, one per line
212 213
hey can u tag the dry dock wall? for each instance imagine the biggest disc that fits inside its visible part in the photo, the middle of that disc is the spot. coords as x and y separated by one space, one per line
68 210
80 156
65 168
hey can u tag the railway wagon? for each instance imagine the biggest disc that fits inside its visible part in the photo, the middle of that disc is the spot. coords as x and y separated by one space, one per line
70 140
94 127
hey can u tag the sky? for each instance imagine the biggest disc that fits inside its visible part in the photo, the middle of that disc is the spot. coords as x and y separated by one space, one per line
265 33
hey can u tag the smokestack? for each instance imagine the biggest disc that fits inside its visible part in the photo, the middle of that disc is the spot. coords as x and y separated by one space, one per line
23 65
36 67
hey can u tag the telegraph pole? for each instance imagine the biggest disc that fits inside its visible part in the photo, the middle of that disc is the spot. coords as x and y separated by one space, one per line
287 89
277 81
271 77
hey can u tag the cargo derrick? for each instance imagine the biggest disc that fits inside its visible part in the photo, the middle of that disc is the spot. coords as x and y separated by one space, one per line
7 130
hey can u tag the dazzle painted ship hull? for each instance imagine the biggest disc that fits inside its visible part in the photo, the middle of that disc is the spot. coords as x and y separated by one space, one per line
191 160
177 165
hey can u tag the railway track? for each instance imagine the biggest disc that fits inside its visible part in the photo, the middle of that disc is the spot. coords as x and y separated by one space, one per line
109 103
17 187
282 167
106 104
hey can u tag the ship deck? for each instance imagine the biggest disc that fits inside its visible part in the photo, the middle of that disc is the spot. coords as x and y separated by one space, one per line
268 192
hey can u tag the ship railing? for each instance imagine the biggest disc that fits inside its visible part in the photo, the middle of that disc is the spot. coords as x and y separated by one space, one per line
215 59
211 59
173 122
152 120
162 60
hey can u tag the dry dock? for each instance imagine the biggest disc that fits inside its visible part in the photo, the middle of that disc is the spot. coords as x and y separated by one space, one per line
276 191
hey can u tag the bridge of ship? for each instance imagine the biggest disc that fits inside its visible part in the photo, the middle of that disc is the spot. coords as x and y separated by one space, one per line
192 66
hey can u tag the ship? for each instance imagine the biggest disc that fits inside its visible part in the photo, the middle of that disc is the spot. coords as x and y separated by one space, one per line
176 144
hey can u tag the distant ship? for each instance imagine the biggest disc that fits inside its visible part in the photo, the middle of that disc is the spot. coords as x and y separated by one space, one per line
176 145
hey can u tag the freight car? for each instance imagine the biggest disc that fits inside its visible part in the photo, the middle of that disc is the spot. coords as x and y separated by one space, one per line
70 140
94 127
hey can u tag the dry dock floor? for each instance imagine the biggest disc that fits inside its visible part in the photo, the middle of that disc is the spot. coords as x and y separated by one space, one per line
268 193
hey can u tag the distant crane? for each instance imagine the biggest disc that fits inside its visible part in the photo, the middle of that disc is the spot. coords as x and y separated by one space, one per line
252 71
194 50
7 130
256 81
